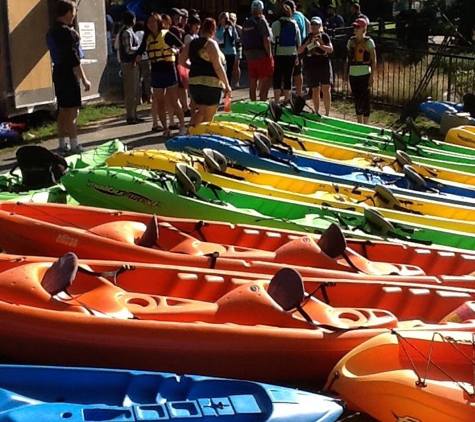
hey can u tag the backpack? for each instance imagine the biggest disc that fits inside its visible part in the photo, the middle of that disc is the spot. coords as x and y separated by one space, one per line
251 37
40 168
288 34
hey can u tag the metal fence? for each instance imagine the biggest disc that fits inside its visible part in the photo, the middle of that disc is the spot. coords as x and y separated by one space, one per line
402 66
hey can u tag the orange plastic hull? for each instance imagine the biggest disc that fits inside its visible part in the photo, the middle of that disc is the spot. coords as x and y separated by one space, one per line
54 229
378 377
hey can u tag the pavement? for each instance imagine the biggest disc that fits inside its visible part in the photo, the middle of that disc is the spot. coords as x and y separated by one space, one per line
138 136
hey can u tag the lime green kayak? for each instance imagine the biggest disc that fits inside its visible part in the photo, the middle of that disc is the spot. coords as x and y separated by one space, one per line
340 126
184 195
10 182
386 150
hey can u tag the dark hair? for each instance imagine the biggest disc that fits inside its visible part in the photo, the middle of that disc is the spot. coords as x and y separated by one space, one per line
166 18
209 26
194 20
128 17
139 26
291 4
356 6
64 6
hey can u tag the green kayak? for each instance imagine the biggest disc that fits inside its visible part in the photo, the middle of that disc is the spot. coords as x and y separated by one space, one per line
184 195
386 149
340 126
11 181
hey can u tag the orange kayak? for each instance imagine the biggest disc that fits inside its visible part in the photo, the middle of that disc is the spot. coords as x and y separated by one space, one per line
55 229
256 331
421 300
410 376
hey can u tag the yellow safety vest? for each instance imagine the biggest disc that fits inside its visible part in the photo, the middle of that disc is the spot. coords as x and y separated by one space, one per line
158 50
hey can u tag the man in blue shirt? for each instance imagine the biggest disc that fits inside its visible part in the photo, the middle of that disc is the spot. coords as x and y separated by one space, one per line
304 26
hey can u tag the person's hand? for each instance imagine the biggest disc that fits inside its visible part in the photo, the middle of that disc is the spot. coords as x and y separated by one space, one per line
297 61
87 85
227 90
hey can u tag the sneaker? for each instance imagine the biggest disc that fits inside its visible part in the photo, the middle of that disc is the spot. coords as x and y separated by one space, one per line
64 149
78 150
183 131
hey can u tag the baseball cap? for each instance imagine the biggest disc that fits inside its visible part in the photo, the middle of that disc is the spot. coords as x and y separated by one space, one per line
184 13
360 22
257 4
316 20
176 11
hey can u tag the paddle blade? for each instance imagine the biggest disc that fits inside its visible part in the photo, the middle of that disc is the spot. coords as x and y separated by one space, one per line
286 289
61 274
332 241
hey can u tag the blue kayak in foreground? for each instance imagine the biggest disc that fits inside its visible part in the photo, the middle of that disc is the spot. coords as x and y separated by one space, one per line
278 160
46 394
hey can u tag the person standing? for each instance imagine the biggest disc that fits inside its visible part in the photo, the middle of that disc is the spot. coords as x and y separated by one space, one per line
257 47
237 62
359 68
355 13
304 26
227 36
63 43
333 20
317 47
287 41
207 74
145 87
128 47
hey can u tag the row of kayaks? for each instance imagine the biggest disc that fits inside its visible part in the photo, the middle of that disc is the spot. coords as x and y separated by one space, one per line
244 273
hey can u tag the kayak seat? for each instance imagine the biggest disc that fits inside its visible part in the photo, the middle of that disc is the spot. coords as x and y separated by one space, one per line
188 179
40 168
61 274
123 231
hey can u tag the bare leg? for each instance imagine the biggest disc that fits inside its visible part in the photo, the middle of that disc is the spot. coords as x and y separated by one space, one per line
359 118
327 99
286 94
264 88
154 112
71 122
209 112
161 106
253 89
277 93
298 80
198 117
61 122
172 95
365 119
183 96
237 71
316 98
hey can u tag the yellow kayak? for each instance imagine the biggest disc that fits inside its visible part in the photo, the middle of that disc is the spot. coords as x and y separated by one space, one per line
261 182
342 154
462 135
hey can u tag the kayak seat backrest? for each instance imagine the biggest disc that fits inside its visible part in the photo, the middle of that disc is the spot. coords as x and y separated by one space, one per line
188 179
61 274
416 181
150 236
130 232
297 103
286 289
275 111
40 167
332 241
215 161
262 143
275 131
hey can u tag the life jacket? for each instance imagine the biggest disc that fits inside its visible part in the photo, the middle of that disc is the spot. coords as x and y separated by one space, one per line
158 50
251 38
288 34
358 54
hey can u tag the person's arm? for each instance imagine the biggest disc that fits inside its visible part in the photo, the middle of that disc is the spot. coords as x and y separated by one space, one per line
213 52
304 45
346 66
308 27
219 36
326 44
373 60
298 36
141 49
80 74
184 56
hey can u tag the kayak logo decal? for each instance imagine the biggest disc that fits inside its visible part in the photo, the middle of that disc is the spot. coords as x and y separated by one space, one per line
109 190
64 239
405 418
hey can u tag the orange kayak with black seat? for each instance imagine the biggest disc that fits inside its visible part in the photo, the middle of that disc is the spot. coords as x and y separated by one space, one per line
423 299
410 376
256 331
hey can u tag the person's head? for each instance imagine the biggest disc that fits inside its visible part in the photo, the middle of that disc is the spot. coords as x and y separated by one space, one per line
154 23
257 8
288 7
194 23
233 18
208 29
355 9
176 15
224 20
316 25
331 10
166 21
184 17
66 11
139 26
359 26
128 18
299 7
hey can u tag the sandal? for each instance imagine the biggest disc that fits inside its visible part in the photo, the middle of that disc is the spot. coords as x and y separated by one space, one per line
173 127
167 133
157 128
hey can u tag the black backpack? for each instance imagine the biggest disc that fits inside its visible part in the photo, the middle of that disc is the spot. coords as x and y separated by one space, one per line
40 168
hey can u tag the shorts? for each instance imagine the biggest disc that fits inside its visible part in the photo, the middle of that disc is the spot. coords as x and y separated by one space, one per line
298 67
319 74
164 76
205 95
67 88
261 68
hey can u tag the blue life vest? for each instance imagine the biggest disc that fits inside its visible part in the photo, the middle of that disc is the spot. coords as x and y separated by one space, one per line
251 37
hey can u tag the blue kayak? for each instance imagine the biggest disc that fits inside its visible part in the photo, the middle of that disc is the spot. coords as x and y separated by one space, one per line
46 394
282 161
434 110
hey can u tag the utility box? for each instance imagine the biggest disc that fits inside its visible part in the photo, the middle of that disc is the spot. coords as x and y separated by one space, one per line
25 65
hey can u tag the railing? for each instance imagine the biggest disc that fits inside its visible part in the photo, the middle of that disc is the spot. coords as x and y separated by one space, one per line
402 65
